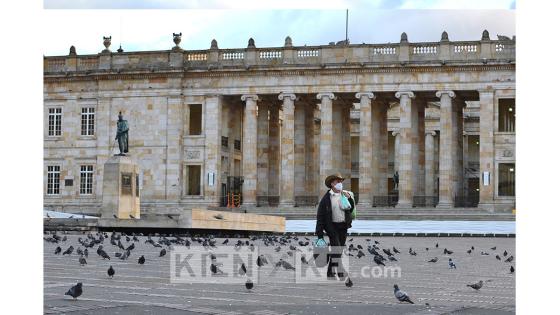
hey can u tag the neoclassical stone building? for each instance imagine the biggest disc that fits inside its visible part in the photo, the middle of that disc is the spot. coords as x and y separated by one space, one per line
272 123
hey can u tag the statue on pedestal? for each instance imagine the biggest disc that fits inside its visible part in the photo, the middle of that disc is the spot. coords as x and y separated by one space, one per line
122 135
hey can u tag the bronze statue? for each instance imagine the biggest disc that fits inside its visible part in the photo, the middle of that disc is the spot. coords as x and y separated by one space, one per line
396 180
122 135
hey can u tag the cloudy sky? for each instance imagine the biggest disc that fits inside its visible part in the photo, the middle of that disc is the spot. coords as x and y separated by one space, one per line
268 22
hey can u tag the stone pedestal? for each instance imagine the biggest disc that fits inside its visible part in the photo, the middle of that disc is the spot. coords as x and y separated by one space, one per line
120 189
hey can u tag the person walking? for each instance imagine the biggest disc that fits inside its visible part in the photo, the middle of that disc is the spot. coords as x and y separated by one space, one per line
333 219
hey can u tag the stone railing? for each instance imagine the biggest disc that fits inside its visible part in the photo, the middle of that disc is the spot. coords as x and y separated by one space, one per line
443 52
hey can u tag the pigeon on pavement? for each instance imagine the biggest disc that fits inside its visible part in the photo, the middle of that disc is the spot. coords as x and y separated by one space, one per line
111 271
476 286
452 264
75 290
401 295
141 260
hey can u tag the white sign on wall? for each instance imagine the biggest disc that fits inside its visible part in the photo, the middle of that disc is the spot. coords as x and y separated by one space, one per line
486 178
210 179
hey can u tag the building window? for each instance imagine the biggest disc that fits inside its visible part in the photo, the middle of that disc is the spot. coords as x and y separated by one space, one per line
55 121
86 179
506 115
53 180
193 180
506 179
88 121
195 119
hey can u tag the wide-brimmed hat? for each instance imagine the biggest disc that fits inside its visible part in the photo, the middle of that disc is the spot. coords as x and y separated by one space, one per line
332 177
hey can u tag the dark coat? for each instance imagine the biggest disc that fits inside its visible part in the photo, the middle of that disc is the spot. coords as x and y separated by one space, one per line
324 216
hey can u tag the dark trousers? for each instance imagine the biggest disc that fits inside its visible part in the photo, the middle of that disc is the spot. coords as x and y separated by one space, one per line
337 238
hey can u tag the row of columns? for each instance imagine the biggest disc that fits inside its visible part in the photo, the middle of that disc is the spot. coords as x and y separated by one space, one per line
414 148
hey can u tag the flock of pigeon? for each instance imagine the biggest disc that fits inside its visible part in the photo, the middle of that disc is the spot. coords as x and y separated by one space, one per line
209 242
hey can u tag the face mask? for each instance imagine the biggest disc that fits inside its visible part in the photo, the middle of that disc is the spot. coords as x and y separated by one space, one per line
338 186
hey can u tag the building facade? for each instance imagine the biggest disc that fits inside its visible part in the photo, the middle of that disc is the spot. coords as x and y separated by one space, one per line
271 123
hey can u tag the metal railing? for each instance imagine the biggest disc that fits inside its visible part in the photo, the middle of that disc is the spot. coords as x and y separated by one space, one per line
425 201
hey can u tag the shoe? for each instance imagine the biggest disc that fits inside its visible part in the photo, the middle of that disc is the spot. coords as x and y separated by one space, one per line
341 276
331 276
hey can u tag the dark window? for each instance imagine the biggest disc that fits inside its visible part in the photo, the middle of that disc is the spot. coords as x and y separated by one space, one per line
195 119
86 179
506 179
506 115
193 180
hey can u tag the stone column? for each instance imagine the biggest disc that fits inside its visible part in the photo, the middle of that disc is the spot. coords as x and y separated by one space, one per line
465 163
274 152
262 153
419 187
287 151
429 163
299 150
213 156
396 146
487 149
310 179
365 155
326 164
384 149
249 150
407 167
346 144
458 146
446 152
174 149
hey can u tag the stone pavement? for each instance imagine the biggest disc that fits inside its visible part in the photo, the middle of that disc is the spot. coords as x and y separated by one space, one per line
147 289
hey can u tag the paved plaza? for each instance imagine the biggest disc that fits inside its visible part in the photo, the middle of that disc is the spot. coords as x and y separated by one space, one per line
148 289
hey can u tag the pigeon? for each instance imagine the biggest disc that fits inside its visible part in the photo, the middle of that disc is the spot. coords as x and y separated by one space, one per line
498 257
401 295
391 258
378 260
505 253
75 291
111 271
260 262
348 283
511 269
141 260
388 252
303 260
57 250
395 250
472 247
286 265
249 284
484 253
452 264
360 254
162 252
215 270
115 216
437 245
242 269
446 251
476 286
493 248
131 216
469 251
225 242
68 251
103 254
411 252
510 259
433 260
82 261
